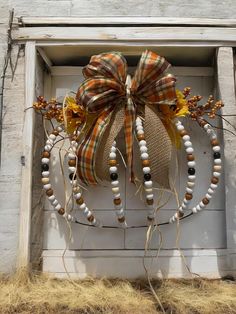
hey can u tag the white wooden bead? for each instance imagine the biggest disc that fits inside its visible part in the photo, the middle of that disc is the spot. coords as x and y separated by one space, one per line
198 207
47 186
188 190
149 191
113 149
82 206
47 148
217 168
143 149
187 144
52 198
183 205
71 156
142 143
114 143
189 150
216 174
217 161
115 183
149 196
192 178
65 215
186 137
45 174
120 213
116 195
49 142
191 164
112 155
216 148
176 216
180 209
150 207
208 196
213 186
72 169
69 217
59 128
52 137
58 206
190 184
185 201
73 183
86 210
55 202
194 210
144 156
206 126
74 143
180 127
140 132
77 196
148 184
115 190
139 128
177 122
210 191
202 205
213 136
146 170
45 161
113 169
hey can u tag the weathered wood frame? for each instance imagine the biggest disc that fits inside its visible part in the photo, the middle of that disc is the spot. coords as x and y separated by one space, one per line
221 38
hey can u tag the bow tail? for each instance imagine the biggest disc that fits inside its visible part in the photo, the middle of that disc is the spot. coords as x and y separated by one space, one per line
129 135
87 149
159 147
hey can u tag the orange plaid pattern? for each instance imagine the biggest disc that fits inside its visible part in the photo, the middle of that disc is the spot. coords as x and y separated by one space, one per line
104 87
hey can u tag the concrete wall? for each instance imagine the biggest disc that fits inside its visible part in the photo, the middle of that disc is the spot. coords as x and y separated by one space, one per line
10 172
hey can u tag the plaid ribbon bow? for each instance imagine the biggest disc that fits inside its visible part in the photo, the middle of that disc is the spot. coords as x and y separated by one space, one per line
105 94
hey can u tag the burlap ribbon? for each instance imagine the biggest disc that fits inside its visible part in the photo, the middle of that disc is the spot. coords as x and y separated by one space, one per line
113 104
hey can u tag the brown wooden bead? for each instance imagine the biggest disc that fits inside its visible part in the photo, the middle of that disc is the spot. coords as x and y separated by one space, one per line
150 218
90 218
72 162
183 132
46 154
214 142
61 211
117 201
112 162
55 132
190 157
180 214
205 201
150 202
80 201
146 163
121 219
188 196
141 137
214 180
49 192
202 123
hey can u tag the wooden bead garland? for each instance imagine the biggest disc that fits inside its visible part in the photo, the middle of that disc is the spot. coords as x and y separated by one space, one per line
191 170
45 173
115 185
147 182
216 165
77 192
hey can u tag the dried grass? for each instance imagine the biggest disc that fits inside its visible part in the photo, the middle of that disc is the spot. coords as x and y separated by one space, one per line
41 294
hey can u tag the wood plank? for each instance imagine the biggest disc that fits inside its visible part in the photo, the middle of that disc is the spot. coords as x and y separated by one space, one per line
175 35
204 230
208 263
27 136
183 71
123 20
226 88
